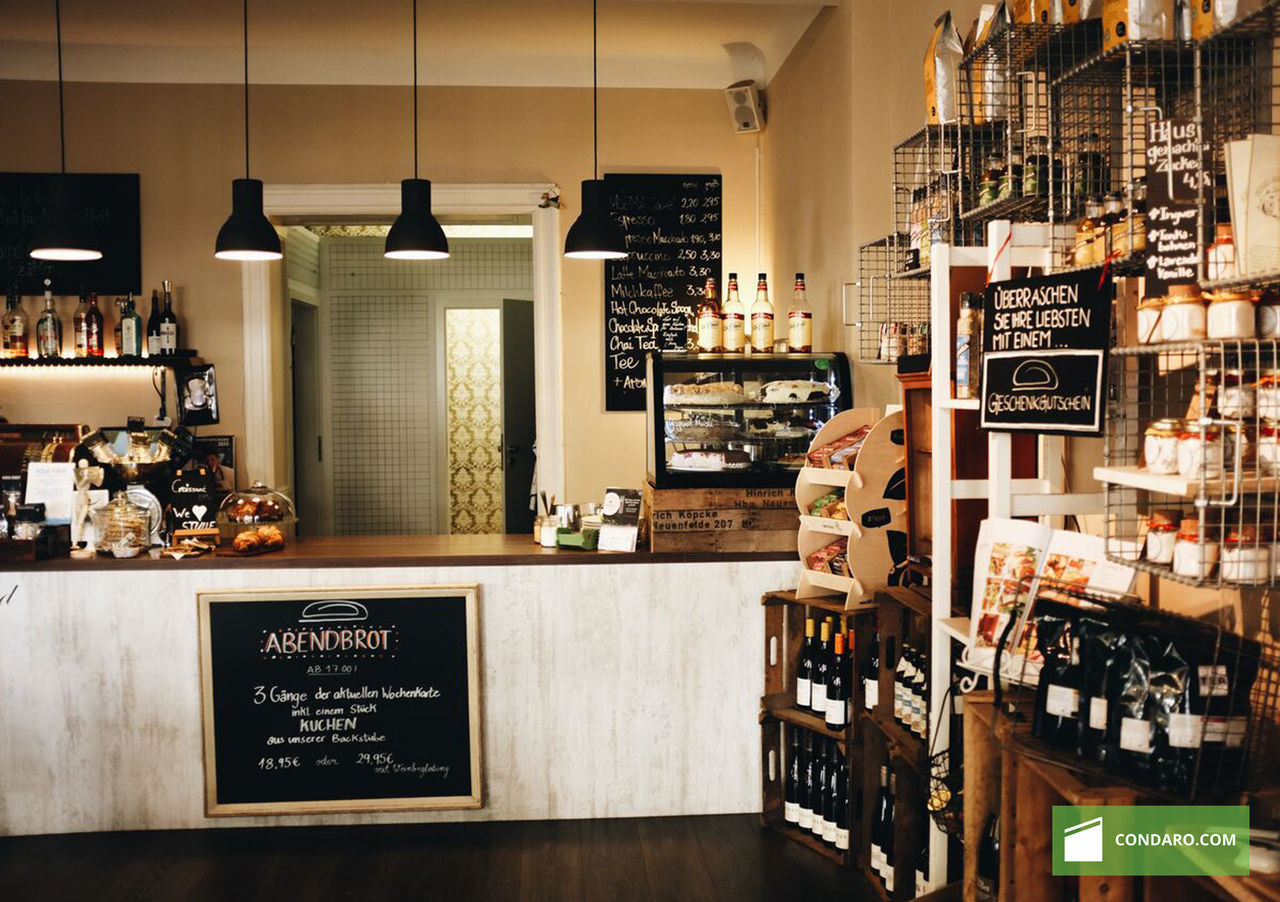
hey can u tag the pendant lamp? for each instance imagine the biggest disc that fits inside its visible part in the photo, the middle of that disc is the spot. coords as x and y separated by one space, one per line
415 235
594 235
63 234
247 235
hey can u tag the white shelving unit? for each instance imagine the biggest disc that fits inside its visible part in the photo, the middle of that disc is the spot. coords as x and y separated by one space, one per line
1009 246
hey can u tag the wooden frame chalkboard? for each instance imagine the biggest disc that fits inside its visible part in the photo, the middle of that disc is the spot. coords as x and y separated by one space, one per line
342 700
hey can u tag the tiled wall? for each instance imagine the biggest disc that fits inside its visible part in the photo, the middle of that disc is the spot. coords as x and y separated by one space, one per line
383 370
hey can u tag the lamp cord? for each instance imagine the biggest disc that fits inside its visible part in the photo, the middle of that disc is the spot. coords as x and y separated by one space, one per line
62 122
595 97
415 89
246 88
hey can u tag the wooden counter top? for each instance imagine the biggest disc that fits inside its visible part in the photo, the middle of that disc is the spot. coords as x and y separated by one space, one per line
403 551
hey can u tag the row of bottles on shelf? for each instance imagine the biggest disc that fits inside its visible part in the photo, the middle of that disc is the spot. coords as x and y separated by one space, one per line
911 691
158 337
725 328
816 795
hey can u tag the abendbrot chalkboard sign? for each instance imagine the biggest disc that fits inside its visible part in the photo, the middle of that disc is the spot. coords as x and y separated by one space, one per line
108 203
1044 345
672 225
340 700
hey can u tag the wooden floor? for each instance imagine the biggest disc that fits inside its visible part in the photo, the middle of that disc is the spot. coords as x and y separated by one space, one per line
683 858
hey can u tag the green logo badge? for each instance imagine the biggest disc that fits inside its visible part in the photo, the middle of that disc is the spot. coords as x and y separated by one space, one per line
1163 840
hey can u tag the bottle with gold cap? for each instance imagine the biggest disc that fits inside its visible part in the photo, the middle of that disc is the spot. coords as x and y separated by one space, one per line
799 319
762 319
735 319
710 321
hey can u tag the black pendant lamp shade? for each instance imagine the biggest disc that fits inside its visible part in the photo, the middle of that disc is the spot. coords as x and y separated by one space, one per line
593 235
415 235
63 234
247 235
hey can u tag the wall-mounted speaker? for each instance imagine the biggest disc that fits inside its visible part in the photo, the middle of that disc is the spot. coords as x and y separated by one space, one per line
746 106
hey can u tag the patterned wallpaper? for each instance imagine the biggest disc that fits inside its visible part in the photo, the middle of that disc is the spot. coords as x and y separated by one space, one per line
473 364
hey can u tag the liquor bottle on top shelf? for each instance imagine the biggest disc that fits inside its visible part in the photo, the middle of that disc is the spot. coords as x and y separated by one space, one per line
94 339
871 674
821 668
48 327
16 338
808 784
882 829
735 320
799 320
762 319
837 708
129 330
710 321
968 345
168 322
837 819
988 882
805 666
819 826
795 778
154 338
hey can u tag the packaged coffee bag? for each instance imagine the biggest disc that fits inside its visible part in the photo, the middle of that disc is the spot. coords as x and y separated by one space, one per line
941 67
1129 727
1136 20
1057 708
1103 654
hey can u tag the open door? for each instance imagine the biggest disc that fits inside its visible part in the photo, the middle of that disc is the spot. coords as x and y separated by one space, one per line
518 421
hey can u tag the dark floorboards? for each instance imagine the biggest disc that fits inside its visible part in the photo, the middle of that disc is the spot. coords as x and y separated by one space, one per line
678 858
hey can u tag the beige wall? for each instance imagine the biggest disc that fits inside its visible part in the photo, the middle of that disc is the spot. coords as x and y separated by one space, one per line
184 140
850 90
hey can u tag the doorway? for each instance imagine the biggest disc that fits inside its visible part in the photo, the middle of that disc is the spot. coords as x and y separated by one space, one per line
308 440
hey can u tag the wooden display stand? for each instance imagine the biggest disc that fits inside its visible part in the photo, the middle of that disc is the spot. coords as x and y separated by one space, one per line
717 520
875 496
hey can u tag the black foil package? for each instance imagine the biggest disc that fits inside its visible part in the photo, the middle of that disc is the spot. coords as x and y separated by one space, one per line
1057 706
1175 732
1220 680
1103 653
1130 731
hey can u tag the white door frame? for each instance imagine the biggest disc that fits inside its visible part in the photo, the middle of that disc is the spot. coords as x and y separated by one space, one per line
383 200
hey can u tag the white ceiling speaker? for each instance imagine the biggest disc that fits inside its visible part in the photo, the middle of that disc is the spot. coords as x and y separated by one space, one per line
746 106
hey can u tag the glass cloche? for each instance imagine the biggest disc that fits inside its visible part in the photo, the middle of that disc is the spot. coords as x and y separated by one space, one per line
257 519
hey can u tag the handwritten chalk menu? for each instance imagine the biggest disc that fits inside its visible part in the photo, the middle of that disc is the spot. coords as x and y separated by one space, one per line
1175 170
340 700
107 203
1044 348
672 226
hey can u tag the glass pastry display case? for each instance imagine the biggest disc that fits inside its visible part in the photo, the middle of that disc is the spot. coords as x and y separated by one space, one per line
736 421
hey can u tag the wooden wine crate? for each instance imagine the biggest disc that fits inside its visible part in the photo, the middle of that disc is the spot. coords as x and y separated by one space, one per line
713 520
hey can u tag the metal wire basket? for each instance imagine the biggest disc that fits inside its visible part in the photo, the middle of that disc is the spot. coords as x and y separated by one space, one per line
946 781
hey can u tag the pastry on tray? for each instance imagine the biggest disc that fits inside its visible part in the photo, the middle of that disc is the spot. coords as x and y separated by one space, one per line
704 393
709 460
799 391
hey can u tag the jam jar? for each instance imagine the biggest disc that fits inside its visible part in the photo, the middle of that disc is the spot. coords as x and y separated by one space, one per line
1245 559
1162 534
1150 314
1231 315
1269 448
1200 453
1160 446
1237 399
1193 558
1268 395
1269 315
1185 317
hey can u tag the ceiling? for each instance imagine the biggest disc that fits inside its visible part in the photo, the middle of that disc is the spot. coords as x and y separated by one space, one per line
643 43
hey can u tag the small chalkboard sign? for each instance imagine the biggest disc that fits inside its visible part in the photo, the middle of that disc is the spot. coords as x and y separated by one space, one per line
108 203
672 226
1175 155
340 700
1044 347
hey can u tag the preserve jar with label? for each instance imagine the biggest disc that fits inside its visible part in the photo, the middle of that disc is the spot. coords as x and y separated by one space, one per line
1269 448
1268 395
1160 446
1268 308
1192 557
1221 259
1200 453
1162 534
1231 315
1245 559
1150 314
1184 317
1237 399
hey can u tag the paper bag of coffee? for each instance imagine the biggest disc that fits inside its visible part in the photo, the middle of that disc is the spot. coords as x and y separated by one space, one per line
1136 20
941 71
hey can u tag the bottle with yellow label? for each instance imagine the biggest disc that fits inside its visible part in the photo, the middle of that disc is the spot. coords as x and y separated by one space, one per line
710 321
799 320
762 319
735 319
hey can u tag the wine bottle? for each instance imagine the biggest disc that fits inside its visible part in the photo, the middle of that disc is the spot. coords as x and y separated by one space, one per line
900 683
762 319
819 826
837 802
886 834
922 860
48 327
710 321
804 670
800 320
735 319
805 821
168 322
837 711
795 776
988 882
871 674
916 723
95 341
154 341
878 822
922 692
130 330
821 667
16 339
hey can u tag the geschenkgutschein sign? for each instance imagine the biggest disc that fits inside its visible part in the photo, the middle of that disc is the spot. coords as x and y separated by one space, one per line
1044 347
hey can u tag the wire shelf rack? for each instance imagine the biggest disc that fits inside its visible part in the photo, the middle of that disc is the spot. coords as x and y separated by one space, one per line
893 301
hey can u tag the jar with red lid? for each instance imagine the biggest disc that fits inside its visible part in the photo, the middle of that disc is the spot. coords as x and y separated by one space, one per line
1162 533
1269 448
1200 453
1194 557
1245 558
1237 398
1160 446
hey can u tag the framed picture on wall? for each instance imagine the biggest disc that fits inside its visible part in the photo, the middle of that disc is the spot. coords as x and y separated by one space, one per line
217 454
198 395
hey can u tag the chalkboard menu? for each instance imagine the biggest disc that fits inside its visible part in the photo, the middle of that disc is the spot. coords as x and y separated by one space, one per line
672 225
1175 169
107 203
340 700
1044 347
